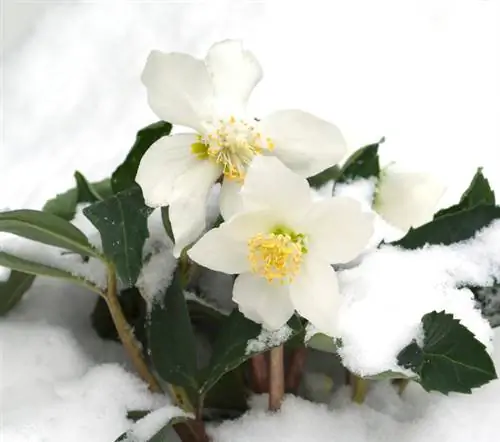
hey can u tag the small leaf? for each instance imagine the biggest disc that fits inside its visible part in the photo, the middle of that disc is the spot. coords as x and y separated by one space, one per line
450 359
388 374
124 176
165 217
46 228
88 192
172 341
319 180
34 268
12 290
231 349
122 223
450 229
363 163
478 193
322 342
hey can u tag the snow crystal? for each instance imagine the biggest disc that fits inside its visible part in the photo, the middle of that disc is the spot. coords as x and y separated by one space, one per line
268 339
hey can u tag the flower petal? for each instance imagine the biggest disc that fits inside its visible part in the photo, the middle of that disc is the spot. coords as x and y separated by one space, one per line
235 72
407 199
338 229
188 206
162 164
220 251
269 301
315 294
271 185
179 88
305 143
230 201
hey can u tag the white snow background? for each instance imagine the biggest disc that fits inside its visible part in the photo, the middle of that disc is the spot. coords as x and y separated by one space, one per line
425 74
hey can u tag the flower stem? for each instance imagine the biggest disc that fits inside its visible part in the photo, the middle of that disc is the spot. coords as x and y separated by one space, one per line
276 378
260 375
126 335
359 388
296 370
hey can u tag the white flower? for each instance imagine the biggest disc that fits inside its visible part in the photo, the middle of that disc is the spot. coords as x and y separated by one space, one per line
406 199
210 97
282 246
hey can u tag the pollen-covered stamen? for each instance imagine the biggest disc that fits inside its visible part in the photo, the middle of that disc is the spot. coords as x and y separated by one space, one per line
233 144
277 255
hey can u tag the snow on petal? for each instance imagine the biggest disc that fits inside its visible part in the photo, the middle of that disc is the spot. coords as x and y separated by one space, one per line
338 229
303 142
162 164
271 302
315 294
179 88
234 72
407 199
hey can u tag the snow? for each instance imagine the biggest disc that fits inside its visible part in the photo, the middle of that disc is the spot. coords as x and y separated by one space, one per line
424 74
268 339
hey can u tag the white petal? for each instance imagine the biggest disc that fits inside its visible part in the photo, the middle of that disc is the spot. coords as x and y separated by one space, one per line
235 72
230 200
269 301
315 295
162 164
407 199
244 226
305 143
179 88
271 185
188 206
337 229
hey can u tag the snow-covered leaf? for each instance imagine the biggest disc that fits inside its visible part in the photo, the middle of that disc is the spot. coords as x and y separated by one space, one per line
122 223
12 290
450 229
450 357
47 229
124 176
364 163
332 173
322 342
145 429
388 374
478 193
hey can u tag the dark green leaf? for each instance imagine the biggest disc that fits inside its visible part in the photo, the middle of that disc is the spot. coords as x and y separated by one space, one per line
12 290
172 341
319 180
47 229
124 176
122 223
166 223
450 359
34 268
230 350
363 163
478 193
450 229
88 192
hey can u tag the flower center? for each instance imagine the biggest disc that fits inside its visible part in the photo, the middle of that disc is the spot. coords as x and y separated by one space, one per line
232 144
277 255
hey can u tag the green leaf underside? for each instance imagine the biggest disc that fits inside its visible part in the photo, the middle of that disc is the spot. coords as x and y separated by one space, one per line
388 374
478 193
230 349
329 174
12 290
172 341
34 268
124 176
322 342
47 229
86 191
364 163
451 358
167 225
450 229
122 223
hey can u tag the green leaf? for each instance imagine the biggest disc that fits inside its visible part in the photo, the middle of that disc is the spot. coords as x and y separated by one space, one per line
230 350
450 359
90 193
363 163
172 341
450 229
12 290
162 435
124 176
122 223
165 217
34 268
322 342
319 180
46 228
388 374
478 193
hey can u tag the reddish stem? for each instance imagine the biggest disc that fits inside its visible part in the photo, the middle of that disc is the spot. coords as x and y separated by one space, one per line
296 370
259 373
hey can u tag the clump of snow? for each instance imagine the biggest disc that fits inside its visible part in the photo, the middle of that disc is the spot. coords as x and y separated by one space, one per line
361 190
388 293
268 339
